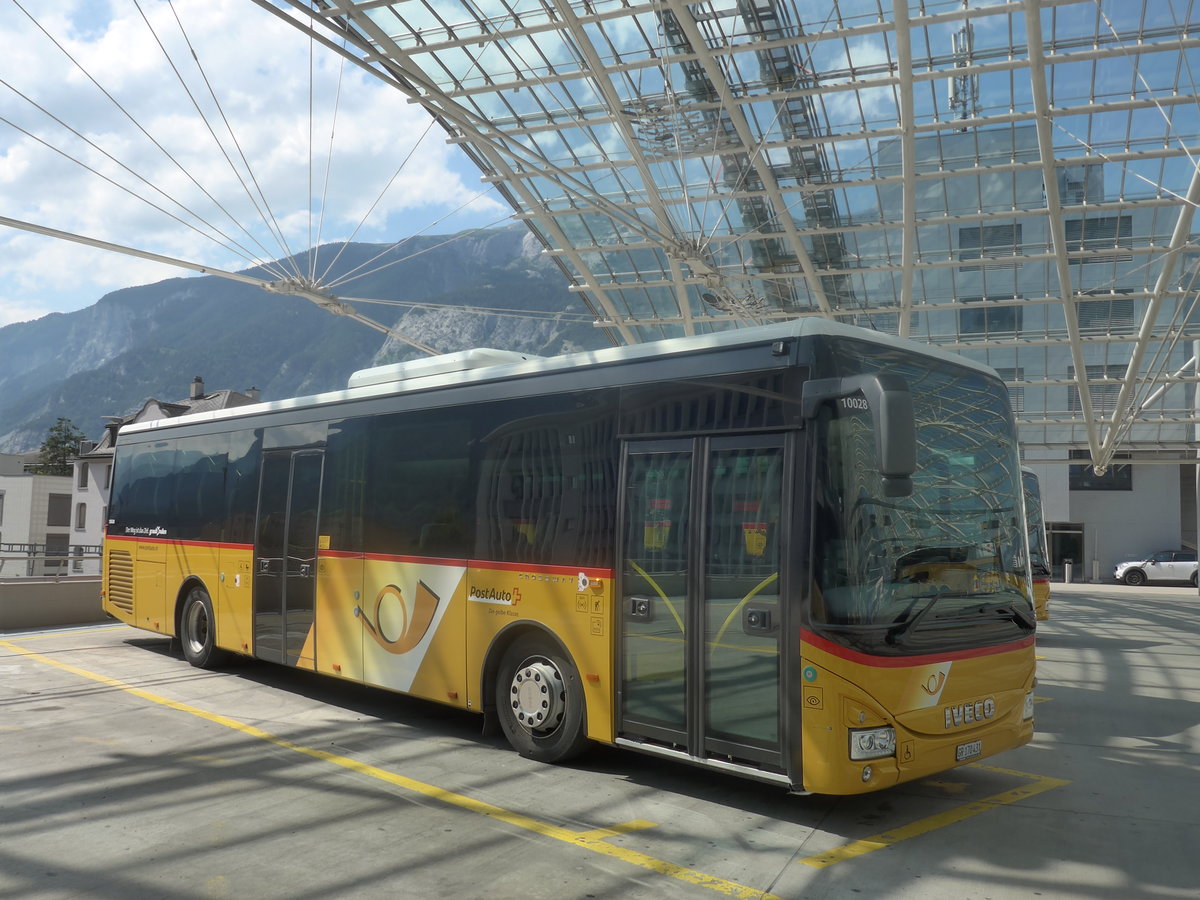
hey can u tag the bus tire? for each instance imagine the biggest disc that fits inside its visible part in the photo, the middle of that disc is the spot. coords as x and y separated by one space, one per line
540 703
198 631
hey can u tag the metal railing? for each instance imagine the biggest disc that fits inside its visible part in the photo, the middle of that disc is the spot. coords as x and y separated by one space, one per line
31 560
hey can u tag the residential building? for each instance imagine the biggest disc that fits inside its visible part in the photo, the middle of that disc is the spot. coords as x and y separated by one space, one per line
35 519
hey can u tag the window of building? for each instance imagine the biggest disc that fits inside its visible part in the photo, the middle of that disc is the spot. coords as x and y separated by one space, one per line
1104 396
1081 183
1 507
1104 314
1016 395
1099 233
58 546
988 319
83 476
77 562
58 511
1115 478
80 516
977 241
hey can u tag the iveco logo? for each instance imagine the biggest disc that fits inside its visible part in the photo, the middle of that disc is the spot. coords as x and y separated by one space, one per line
966 713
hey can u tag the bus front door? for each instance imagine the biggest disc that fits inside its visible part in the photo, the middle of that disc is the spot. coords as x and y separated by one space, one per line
285 555
700 587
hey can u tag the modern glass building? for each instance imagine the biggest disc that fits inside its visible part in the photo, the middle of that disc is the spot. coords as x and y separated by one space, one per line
1015 181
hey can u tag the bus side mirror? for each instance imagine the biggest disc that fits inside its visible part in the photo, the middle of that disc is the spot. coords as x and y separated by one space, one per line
889 401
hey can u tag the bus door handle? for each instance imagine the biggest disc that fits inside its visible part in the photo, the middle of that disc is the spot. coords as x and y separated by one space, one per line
267 566
640 609
759 620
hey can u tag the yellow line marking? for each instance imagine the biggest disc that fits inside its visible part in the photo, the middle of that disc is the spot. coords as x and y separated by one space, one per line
1039 784
593 840
600 834
68 631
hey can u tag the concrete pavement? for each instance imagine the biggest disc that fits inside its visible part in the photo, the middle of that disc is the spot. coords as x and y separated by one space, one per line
125 773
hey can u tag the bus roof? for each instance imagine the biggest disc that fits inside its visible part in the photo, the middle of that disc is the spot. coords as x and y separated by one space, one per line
482 365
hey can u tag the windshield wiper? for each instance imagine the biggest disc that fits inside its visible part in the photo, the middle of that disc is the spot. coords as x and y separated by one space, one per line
898 630
1009 611
1022 617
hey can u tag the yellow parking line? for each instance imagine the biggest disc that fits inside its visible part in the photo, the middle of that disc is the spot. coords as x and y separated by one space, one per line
1038 784
600 834
71 631
593 840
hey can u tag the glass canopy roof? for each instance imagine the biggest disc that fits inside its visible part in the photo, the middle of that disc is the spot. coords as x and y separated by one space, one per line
1014 181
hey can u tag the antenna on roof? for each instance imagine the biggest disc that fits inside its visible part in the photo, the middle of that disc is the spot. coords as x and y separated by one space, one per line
964 89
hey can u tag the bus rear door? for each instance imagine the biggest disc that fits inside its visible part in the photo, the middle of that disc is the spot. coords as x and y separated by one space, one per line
285 555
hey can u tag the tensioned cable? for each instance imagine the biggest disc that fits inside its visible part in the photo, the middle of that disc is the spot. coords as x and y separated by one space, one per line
1158 363
337 105
499 312
1137 70
565 106
232 246
268 217
378 199
355 274
308 196
394 262
383 192
133 120
422 90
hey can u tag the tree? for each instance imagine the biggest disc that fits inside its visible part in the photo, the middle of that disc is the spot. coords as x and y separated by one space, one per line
59 448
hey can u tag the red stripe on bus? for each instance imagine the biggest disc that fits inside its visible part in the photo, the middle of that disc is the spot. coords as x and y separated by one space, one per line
220 545
904 662
466 563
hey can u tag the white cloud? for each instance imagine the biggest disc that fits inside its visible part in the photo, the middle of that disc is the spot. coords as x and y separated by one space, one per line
259 69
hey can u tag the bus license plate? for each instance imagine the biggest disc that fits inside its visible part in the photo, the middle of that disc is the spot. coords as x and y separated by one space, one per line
967 751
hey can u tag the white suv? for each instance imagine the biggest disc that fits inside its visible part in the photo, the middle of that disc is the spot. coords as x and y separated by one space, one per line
1165 565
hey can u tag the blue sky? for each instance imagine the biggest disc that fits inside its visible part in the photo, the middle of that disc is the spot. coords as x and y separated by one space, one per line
111 146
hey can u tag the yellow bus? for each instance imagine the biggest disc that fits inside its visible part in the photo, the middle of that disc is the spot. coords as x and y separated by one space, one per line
1039 548
699 548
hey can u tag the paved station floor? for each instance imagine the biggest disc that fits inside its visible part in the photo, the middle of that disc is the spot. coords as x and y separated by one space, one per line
125 773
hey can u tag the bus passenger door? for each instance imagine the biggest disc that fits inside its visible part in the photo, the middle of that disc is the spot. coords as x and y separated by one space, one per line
285 555
700 589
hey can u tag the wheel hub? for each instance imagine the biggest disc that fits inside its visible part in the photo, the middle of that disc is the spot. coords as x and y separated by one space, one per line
538 696
196 626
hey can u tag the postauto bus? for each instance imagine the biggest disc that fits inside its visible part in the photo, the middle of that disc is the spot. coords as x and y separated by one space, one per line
701 548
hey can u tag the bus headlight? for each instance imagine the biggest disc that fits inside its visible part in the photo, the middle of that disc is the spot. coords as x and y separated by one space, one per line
1029 705
872 743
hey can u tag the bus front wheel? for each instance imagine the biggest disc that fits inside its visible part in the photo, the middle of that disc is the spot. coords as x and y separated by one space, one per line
539 701
198 631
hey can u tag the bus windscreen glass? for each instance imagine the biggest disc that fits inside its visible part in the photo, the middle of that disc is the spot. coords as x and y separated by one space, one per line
944 567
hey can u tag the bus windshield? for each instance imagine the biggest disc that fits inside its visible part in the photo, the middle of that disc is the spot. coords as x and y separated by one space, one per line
946 566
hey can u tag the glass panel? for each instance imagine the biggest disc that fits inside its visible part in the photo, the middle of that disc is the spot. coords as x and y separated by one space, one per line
302 549
269 547
655 609
742 595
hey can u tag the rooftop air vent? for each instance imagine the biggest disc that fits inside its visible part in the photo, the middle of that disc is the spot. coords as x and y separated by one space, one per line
436 365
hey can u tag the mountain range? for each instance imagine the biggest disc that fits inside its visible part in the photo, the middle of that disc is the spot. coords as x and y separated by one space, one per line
151 341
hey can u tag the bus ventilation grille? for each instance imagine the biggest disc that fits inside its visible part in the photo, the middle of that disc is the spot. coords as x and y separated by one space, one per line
120 580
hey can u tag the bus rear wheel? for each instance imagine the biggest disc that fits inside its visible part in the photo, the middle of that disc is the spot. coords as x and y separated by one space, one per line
198 631
539 701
